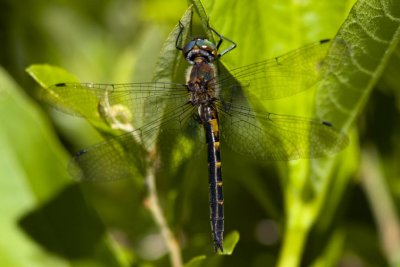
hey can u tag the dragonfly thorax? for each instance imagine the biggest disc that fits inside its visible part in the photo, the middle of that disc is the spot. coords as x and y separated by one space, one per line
201 82
200 48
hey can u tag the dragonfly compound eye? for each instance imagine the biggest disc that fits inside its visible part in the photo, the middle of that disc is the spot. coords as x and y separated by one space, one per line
200 48
188 47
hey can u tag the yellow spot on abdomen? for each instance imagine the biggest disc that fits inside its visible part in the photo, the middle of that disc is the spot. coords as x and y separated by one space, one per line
214 125
217 145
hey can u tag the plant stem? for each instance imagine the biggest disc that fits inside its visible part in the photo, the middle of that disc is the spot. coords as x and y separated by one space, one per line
151 202
295 235
383 205
154 207
292 248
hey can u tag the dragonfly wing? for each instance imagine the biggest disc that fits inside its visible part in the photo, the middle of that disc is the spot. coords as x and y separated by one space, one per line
268 136
126 155
144 111
116 158
279 77
132 102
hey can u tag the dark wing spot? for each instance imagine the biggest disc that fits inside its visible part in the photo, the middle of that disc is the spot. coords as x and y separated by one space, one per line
323 41
327 124
60 84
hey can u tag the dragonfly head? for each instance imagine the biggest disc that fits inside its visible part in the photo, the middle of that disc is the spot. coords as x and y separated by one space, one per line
200 48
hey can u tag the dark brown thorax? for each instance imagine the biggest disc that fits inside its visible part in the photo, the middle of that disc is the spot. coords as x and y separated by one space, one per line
201 82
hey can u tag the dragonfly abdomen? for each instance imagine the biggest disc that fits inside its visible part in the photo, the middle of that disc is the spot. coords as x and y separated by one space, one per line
209 118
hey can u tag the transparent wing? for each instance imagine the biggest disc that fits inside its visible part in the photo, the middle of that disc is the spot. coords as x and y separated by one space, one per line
149 112
131 102
279 77
117 158
269 136
126 155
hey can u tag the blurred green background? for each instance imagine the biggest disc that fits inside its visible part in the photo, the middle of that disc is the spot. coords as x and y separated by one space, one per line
349 217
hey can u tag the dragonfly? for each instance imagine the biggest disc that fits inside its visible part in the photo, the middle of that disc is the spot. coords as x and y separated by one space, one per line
217 107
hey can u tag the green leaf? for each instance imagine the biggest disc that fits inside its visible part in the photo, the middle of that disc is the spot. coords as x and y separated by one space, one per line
33 178
85 104
370 26
25 181
360 53
266 29
389 78
47 75
169 63
358 56
196 261
27 133
230 242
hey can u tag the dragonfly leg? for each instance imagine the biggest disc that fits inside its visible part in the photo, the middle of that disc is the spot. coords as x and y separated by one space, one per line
181 27
221 39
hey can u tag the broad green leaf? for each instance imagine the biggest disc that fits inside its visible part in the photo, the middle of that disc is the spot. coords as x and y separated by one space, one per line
365 42
26 180
47 75
169 66
309 184
270 38
36 192
358 56
85 104
369 36
266 29
389 77
20 118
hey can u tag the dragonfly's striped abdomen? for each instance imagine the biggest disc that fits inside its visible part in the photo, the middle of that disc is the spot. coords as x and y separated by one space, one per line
209 117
